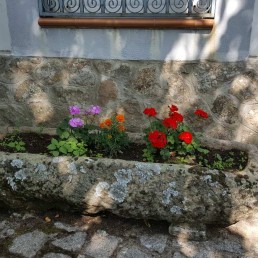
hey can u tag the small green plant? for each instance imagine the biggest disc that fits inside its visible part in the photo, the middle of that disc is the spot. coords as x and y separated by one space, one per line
170 137
66 146
224 161
14 142
79 132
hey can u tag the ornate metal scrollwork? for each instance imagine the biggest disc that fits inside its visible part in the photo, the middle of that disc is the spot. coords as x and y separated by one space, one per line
51 5
135 6
127 8
156 6
202 6
113 6
71 6
179 6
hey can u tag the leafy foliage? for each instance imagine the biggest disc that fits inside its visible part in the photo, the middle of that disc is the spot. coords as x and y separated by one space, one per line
14 142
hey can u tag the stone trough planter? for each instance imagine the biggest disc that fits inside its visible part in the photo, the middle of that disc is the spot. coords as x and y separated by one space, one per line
175 193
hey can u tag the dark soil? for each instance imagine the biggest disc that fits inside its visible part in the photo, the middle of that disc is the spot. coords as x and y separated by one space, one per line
218 159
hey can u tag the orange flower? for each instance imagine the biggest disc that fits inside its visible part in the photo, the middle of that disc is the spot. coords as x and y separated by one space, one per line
108 122
121 128
105 123
120 118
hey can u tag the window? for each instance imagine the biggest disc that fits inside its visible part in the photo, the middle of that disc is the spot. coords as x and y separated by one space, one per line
126 12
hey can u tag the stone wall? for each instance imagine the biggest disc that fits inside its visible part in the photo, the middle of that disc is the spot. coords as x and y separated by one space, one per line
36 92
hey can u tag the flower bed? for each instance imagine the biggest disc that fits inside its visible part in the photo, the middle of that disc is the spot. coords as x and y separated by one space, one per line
143 190
176 193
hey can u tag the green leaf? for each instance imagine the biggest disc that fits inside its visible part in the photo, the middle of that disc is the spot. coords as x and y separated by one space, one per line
55 153
170 139
51 146
63 149
76 153
65 135
11 144
62 143
54 141
201 150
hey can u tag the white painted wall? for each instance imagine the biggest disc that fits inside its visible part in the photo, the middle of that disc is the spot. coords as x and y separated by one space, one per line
228 41
5 40
254 35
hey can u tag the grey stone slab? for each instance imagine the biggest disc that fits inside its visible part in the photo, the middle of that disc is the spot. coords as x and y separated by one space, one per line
56 255
155 242
71 243
28 244
102 245
66 227
178 255
132 252
6 233
3 224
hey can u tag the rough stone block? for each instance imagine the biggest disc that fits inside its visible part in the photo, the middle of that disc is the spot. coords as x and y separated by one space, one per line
28 244
71 243
132 252
154 242
102 245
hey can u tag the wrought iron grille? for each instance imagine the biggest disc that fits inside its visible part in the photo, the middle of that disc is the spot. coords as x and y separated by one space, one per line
127 8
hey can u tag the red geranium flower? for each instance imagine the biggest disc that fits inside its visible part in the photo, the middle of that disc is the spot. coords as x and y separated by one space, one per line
157 139
177 117
173 108
186 137
170 122
150 111
201 113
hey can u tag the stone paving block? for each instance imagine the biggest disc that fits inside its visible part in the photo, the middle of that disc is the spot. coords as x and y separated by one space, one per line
66 227
3 224
71 243
56 255
102 245
155 242
6 233
28 244
132 252
178 255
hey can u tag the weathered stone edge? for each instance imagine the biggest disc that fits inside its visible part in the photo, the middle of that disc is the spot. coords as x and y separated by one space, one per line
176 193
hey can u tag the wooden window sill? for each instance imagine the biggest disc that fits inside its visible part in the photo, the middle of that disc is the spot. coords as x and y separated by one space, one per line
136 23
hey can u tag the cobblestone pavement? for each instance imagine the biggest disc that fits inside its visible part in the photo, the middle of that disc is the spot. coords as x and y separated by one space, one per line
58 235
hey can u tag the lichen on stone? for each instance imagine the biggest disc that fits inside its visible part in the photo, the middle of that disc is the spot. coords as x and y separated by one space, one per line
17 163
146 171
40 168
11 182
148 167
72 168
207 178
124 176
100 187
176 210
20 175
82 170
118 191
169 192
58 159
